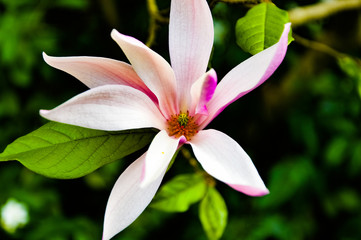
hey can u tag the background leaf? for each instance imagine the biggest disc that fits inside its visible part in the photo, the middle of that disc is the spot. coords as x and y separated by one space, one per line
213 214
179 193
261 27
64 151
352 67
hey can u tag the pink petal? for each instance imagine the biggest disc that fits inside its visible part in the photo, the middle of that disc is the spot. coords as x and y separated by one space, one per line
152 69
97 71
247 76
127 199
202 92
159 155
108 107
190 43
225 160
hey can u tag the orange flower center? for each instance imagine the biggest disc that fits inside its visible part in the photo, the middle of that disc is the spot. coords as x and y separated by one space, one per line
182 125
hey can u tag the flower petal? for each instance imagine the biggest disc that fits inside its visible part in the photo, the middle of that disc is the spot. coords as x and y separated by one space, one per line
109 107
159 155
202 92
225 160
152 69
247 76
190 43
97 71
127 199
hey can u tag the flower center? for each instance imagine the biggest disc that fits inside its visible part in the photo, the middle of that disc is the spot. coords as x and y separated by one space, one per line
182 125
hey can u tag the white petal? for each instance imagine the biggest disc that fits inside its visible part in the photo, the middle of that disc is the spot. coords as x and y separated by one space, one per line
127 199
225 160
109 107
247 76
190 43
152 69
97 71
159 155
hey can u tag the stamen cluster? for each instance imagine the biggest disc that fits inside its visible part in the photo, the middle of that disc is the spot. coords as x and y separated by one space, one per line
182 125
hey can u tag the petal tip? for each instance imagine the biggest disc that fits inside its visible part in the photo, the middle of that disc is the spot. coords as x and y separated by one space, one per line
249 190
43 113
114 33
287 28
46 57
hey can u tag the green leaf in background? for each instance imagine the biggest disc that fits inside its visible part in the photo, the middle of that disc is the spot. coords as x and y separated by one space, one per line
336 151
179 193
352 67
64 151
287 178
213 214
261 27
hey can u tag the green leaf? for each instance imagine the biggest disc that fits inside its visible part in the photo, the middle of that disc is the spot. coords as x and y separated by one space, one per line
72 4
64 151
261 27
287 179
352 67
178 194
336 151
213 214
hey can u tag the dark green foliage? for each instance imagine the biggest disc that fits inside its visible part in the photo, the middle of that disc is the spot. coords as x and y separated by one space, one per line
301 128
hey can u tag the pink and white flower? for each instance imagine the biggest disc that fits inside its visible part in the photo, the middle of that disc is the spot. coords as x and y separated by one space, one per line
180 101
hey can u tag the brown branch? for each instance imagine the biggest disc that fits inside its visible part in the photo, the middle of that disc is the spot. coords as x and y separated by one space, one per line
302 15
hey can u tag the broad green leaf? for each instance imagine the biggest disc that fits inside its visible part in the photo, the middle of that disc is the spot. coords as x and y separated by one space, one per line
180 192
261 27
64 151
213 214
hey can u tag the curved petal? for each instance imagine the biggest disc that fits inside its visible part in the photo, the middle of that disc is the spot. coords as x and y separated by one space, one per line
152 69
159 155
202 92
110 108
225 160
127 199
190 43
97 71
247 76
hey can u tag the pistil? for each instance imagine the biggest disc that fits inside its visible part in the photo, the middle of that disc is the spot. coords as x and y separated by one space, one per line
182 125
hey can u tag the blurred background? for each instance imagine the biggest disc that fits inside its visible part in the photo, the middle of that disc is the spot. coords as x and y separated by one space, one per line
301 127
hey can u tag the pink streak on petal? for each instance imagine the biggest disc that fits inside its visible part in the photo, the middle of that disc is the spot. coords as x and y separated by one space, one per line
249 190
205 92
155 72
226 161
158 157
97 71
127 199
190 43
110 108
247 76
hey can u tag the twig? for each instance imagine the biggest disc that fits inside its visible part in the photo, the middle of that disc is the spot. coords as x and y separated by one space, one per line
321 47
154 18
247 3
302 15
194 163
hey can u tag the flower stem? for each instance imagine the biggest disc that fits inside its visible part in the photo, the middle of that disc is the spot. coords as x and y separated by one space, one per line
194 163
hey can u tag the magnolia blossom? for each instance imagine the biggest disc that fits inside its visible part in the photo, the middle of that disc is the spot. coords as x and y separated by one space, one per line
180 101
